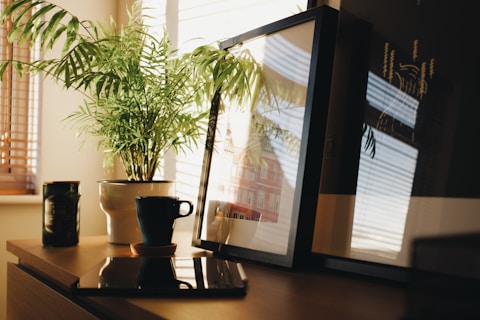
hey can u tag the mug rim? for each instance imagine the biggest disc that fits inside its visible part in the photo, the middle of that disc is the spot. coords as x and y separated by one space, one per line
159 197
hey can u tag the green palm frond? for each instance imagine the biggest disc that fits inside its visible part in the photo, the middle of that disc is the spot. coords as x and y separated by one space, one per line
142 98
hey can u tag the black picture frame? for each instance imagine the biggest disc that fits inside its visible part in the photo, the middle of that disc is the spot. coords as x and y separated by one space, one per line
278 202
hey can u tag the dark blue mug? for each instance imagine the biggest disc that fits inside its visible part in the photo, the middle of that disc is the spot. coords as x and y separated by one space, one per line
156 217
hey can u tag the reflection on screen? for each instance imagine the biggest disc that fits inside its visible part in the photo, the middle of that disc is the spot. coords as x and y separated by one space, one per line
158 275
384 184
254 166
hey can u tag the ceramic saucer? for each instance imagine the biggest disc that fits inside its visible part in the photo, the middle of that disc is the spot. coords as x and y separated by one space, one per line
160 251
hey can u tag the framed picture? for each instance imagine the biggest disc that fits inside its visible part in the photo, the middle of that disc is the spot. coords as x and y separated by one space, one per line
394 75
261 170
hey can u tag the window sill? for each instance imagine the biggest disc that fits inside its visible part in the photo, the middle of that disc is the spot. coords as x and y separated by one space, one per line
21 199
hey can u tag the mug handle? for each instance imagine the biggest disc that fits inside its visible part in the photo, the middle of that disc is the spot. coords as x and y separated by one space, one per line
184 214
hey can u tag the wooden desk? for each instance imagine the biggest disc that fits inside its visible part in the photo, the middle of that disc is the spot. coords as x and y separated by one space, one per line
37 288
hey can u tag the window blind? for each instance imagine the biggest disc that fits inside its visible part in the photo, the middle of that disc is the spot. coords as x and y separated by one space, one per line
18 121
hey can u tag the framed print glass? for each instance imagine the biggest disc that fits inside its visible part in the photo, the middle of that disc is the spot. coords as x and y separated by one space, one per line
261 169
394 74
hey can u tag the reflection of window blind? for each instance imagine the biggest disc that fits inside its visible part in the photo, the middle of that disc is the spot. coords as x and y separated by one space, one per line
385 182
18 121
191 23
392 101
383 194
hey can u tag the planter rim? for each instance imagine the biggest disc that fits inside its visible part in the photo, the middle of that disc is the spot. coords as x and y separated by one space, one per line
124 181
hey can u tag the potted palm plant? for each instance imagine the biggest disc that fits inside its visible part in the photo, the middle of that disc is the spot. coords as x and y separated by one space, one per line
141 98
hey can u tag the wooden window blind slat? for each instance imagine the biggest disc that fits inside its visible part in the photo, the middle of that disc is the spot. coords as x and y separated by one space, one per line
18 121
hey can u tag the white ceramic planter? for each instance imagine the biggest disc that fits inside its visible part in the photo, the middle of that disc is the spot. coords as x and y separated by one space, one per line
117 201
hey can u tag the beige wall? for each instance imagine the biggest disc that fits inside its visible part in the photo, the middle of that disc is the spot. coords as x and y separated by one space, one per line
333 3
61 158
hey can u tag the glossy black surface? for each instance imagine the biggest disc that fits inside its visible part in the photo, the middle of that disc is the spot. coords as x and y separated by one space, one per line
157 276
